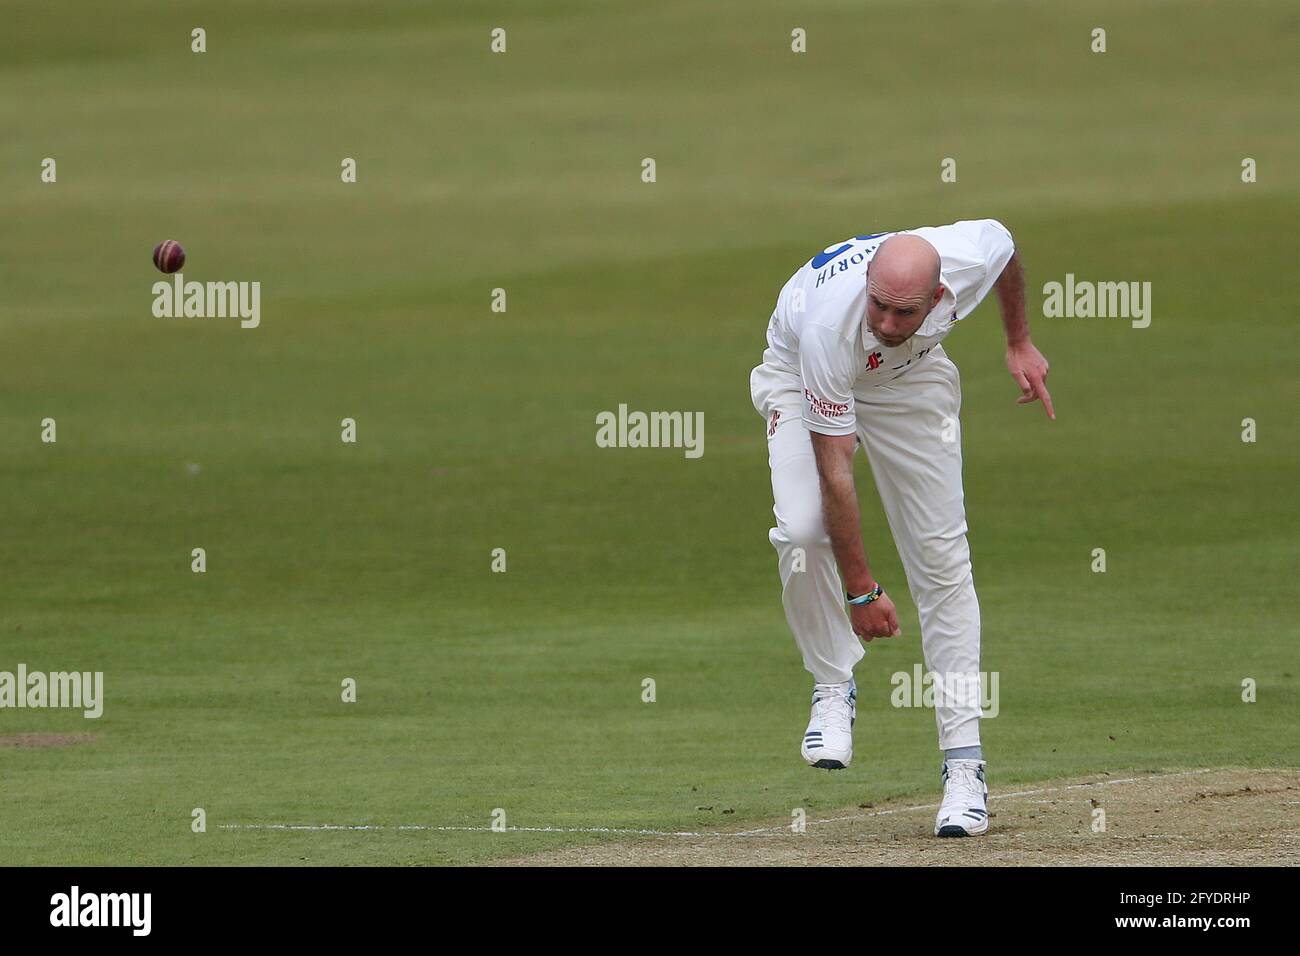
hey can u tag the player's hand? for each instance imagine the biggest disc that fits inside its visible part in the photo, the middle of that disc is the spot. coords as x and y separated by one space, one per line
877 619
1028 367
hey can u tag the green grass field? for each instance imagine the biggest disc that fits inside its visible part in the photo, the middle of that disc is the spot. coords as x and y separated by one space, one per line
522 690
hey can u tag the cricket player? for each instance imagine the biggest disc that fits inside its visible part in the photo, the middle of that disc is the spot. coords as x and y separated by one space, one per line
855 357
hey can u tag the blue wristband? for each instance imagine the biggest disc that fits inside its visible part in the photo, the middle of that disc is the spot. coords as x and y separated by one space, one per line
872 595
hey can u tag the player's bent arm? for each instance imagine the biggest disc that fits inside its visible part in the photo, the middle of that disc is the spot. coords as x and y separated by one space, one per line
840 509
1025 363
1011 298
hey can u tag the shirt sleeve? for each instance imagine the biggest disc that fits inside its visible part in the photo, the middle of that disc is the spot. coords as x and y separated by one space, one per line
988 249
828 369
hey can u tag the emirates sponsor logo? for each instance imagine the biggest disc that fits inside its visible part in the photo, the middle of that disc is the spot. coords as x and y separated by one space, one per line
822 407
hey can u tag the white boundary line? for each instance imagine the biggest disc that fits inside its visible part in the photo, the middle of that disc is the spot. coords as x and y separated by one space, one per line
621 831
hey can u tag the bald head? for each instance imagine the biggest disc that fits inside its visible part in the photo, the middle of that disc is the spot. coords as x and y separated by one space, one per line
905 265
902 287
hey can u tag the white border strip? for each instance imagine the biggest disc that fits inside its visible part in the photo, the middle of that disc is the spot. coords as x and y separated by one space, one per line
318 827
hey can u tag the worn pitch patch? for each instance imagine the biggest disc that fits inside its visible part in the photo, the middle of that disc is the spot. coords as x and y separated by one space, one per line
1213 817
45 740
1152 818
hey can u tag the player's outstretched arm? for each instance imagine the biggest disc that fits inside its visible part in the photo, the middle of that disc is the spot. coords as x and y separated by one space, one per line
1025 363
844 525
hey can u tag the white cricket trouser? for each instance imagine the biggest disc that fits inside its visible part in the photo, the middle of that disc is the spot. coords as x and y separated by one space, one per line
913 443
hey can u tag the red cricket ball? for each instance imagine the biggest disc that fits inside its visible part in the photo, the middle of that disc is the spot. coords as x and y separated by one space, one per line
168 256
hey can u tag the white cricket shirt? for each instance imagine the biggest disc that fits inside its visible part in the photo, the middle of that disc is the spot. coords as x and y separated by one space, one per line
819 329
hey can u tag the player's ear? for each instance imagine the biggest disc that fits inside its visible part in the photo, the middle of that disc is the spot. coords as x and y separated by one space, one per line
938 294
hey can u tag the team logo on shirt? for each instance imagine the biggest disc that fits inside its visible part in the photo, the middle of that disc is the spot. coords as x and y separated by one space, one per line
875 360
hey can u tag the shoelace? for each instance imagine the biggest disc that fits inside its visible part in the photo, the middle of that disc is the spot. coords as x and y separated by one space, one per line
966 784
832 711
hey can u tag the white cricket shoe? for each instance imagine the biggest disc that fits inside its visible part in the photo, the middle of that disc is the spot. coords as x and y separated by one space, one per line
828 741
964 811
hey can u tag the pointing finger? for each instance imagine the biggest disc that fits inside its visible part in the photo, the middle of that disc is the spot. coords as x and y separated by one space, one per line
1046 396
